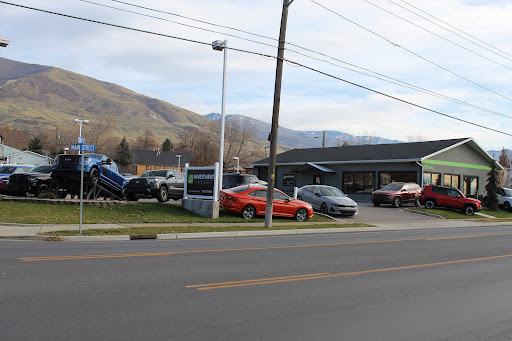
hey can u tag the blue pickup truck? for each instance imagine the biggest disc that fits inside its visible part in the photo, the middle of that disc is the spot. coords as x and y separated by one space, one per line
98 169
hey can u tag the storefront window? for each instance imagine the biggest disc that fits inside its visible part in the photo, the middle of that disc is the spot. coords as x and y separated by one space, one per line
451 180
358 182
386 178
470 186
431 178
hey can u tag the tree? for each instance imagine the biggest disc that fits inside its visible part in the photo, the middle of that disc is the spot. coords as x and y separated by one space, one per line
492 186
146 141
504 159
416 138
35 145
167 146
124 156
100 133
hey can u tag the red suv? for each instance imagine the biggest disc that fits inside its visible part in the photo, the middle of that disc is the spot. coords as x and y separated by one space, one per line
440 196
397 193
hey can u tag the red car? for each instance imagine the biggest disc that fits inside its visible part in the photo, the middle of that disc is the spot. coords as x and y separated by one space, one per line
441 196
251 200
3 183
397 193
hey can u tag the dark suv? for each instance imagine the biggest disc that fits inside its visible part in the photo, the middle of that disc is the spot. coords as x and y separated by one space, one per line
441 196
161 184
397 193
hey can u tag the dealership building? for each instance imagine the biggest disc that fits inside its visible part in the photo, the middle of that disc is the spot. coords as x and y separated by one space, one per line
361 169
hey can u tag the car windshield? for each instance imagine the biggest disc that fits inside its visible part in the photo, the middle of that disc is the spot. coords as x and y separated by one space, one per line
148 174
94 156
331 192
7 169
508 192
41 169
393 187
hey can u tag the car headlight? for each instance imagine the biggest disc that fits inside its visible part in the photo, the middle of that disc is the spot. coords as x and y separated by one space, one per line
86 160
33 180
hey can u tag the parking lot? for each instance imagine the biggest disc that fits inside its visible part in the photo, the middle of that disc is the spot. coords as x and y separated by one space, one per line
384 213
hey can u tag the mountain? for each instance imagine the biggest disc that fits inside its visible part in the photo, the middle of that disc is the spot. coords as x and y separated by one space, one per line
289 138
47 97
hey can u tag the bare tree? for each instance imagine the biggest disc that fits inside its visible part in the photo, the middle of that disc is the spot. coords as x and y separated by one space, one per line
418 137
100 133
366 137
146 141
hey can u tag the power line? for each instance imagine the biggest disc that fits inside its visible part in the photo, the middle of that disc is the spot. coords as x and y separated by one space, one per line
385 79
411 52
259 54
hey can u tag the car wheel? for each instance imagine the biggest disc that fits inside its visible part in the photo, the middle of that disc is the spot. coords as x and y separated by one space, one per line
94 176
397 201
375 203
468 210
162 194
301 215
323 208
506 206
248 212
417 202
430 204
42 188
299 198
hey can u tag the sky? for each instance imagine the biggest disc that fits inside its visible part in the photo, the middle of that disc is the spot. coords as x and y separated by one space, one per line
458 50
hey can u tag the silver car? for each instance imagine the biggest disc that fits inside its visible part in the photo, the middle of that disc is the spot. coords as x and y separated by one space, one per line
327 199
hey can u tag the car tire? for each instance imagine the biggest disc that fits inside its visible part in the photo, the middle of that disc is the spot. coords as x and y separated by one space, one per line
248 212
299 197
468 210
301 214
42 188
376 203
163 194
94 176
323 208
417 202
430 204
397 202
506 206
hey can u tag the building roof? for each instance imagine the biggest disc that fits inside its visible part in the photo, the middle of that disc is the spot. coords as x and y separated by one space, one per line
149 157
394 152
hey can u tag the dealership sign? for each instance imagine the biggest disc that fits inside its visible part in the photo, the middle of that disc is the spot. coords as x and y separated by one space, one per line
201 182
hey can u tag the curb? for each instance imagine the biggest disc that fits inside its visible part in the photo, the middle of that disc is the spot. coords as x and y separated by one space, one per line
432 215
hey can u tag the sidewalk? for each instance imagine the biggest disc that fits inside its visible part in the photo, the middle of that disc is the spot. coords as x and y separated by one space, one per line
31 231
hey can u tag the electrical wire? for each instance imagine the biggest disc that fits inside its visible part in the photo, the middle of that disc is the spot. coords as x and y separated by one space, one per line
411 52
385 78
259 54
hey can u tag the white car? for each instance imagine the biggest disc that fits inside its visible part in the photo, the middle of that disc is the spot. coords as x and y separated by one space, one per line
327 199
505 198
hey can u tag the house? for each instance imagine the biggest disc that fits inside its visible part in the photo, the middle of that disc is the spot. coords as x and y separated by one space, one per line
14 138
361 169
26 157
144 160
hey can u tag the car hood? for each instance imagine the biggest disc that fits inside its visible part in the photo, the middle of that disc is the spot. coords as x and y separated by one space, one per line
384 191
341 200
476 201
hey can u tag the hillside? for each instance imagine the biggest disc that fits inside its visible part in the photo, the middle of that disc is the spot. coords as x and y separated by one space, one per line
47 97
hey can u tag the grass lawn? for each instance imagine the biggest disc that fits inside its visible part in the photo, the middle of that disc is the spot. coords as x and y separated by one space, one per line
32 213
196 228
457 214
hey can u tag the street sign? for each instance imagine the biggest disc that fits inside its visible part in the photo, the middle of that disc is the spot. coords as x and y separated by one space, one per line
81 140
84 147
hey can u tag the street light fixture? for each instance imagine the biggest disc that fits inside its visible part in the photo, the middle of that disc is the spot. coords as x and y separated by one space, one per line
237 162
179 160
219 45
81 141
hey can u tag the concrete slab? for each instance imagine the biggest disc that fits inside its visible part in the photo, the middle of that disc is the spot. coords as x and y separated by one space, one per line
96 238
166 236
205 235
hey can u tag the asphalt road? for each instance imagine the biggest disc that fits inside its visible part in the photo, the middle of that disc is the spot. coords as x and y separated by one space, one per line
439 284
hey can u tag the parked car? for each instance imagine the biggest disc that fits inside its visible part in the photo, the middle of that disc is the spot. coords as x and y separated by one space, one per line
161 184
327 199
504 198
6 171
251 200
397 193
440 196
231 180
33 182
98 169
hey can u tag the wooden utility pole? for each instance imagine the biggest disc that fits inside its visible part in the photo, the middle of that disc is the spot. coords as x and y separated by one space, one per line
275 116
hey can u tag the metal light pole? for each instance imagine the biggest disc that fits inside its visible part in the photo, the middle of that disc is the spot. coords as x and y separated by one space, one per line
237 162
179 160
220 45
80 141
275 116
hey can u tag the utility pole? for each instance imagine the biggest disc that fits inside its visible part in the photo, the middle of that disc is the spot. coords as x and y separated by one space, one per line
275 116
323 141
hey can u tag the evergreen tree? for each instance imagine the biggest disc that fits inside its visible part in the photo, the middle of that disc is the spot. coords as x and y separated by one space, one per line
504 160
124 156
492 186
167 146
35 145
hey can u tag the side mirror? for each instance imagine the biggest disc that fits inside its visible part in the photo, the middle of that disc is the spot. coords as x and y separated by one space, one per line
170 176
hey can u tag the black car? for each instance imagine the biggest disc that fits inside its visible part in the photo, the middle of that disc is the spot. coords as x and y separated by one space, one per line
34 182
161 184
231 180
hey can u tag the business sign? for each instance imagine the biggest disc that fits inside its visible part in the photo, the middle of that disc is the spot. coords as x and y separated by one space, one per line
288 179
83 147
201 182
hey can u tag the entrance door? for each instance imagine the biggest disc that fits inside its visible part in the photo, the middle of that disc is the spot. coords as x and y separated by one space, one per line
470 186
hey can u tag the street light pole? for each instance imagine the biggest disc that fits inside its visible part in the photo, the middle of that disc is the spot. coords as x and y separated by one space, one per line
237 162
220 45
179 161
275 116
80 141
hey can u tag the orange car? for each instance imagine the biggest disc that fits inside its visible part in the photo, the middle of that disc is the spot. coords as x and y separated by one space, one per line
251 200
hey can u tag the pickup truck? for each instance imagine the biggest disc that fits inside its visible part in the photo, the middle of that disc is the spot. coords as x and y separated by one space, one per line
161 184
